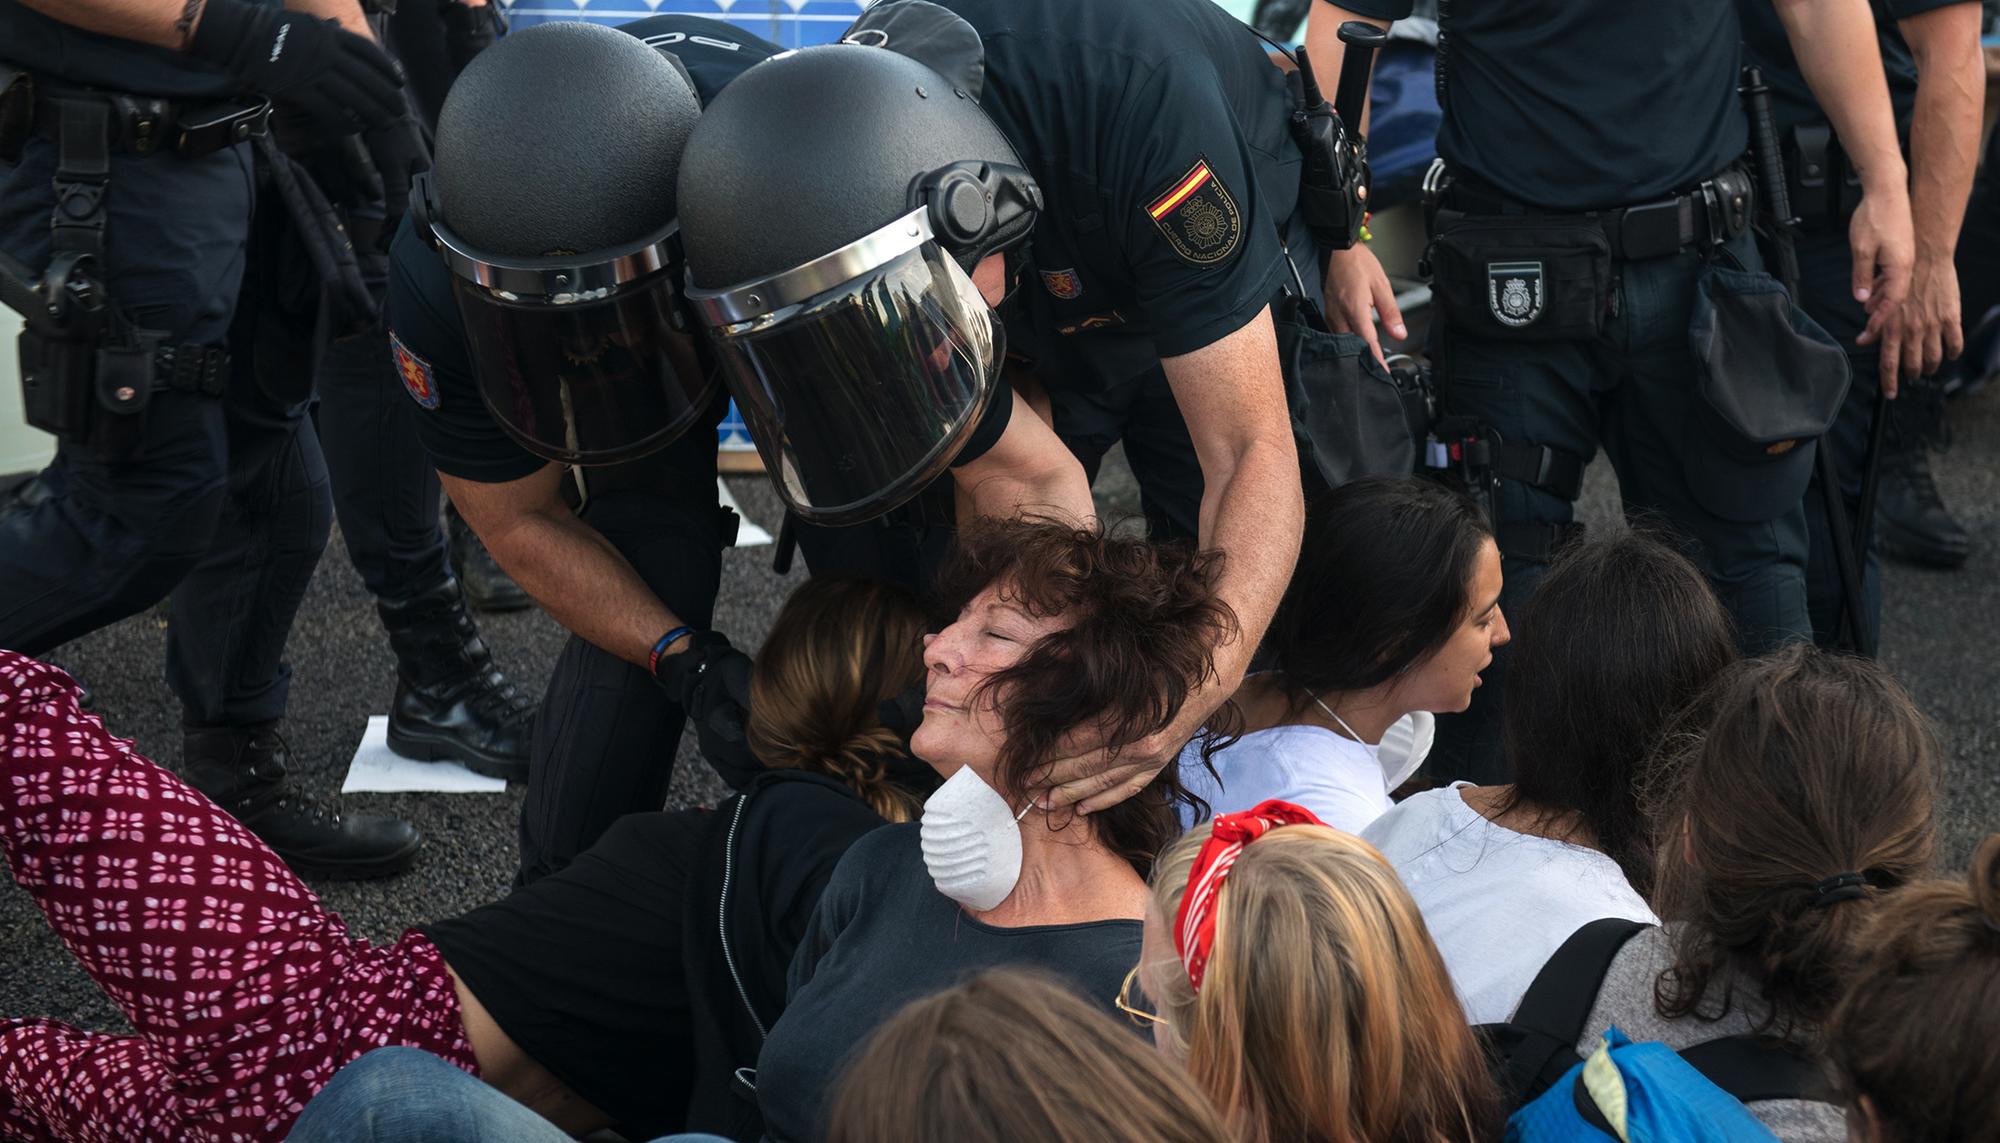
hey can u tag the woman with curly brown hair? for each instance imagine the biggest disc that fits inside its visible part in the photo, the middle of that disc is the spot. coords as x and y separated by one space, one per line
1062 633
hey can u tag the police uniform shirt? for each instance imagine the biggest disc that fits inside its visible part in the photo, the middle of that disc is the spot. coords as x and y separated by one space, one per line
1157 132
1582 104
427 335
50 47
1792 102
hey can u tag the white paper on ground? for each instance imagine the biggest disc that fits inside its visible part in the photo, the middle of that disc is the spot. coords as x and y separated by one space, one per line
378 770
748 534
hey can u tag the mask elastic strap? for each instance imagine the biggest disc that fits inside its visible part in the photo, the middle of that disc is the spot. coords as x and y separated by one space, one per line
1024 811
1344 726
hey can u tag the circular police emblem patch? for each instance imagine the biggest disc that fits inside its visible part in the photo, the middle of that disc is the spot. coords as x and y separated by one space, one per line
1204 222
1514 292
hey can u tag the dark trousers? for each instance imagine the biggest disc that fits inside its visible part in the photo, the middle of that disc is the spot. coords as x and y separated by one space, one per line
385 491
1144 416
605 739
1826 294
1631 391
226 508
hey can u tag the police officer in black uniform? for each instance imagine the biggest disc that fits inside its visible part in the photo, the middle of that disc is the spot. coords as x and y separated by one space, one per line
1930 51
509 392
830 244
1592 170
178 471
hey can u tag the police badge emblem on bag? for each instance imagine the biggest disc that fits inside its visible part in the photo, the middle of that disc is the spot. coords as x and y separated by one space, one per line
1514 292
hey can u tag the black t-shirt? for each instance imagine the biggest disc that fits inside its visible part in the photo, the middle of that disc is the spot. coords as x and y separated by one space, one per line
883 936
1792 102
1157 131
586 969
1582 104
427 335
49 46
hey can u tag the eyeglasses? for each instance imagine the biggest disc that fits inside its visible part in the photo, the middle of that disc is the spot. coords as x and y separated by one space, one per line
1130 998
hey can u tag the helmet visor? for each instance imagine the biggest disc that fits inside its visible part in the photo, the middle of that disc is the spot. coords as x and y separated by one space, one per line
586 382
861 395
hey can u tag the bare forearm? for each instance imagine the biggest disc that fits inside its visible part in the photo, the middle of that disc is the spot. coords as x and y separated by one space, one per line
347 13
1323 47
584 583
1834 42
1944 128
1254 513
162 23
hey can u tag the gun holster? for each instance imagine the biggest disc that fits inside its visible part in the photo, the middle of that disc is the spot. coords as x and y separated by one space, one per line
87 373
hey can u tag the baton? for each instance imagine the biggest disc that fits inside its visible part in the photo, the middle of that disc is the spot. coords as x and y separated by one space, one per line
1847 543
1357 64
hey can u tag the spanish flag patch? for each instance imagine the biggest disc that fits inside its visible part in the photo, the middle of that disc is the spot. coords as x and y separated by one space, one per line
1197 216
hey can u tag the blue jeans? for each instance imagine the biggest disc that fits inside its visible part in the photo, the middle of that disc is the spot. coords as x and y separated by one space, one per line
407 1095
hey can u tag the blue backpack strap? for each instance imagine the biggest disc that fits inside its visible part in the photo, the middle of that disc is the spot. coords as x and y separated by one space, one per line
1534 1049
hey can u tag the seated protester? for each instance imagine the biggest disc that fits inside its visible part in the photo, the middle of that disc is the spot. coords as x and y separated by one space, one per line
1912 1039
1012 1056
1062 633
406 1095
1290 972
1393 612
1620 634
593 995
1805 789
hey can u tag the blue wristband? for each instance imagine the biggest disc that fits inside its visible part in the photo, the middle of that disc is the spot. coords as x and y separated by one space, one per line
660 648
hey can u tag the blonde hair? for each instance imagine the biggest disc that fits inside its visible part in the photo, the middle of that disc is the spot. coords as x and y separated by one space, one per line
1010 1056
837 649
1325 1012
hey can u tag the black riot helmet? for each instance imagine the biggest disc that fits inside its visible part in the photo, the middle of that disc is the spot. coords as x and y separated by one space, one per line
835 199
552 201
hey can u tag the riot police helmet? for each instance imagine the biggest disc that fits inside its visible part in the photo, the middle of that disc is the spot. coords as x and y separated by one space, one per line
835 200
552 202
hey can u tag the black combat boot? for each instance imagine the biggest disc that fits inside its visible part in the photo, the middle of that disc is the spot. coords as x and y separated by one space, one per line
243 770
451 701
1911 517
487 586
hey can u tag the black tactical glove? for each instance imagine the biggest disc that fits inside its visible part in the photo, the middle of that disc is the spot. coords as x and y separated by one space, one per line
400 154
468 30
342 81
711 681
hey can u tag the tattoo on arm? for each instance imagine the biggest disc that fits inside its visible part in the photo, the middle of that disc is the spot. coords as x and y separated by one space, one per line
184 27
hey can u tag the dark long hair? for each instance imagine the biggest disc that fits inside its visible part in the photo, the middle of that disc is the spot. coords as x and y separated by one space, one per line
1384 578
1620 635
1801 767
1145 622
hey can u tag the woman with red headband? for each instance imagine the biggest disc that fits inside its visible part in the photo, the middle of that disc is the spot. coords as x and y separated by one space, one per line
1293 975
1064 633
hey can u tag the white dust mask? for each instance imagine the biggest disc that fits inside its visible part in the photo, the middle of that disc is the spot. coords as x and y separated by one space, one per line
1405 745
971 841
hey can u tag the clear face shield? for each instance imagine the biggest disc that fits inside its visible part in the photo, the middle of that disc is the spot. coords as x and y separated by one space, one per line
861 373
582 359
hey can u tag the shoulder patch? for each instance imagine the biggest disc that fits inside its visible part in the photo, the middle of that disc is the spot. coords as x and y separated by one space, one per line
1198 217
1063 284
418 379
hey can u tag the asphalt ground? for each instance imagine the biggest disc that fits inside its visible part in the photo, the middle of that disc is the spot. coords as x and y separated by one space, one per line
1938 635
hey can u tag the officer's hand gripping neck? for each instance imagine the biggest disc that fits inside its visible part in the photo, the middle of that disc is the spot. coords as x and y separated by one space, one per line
342 82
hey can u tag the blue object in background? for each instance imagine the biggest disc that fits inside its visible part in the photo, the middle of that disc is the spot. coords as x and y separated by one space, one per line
787 23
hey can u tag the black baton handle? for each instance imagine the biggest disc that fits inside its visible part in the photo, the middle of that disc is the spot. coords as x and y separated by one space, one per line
1363 40
1764 145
